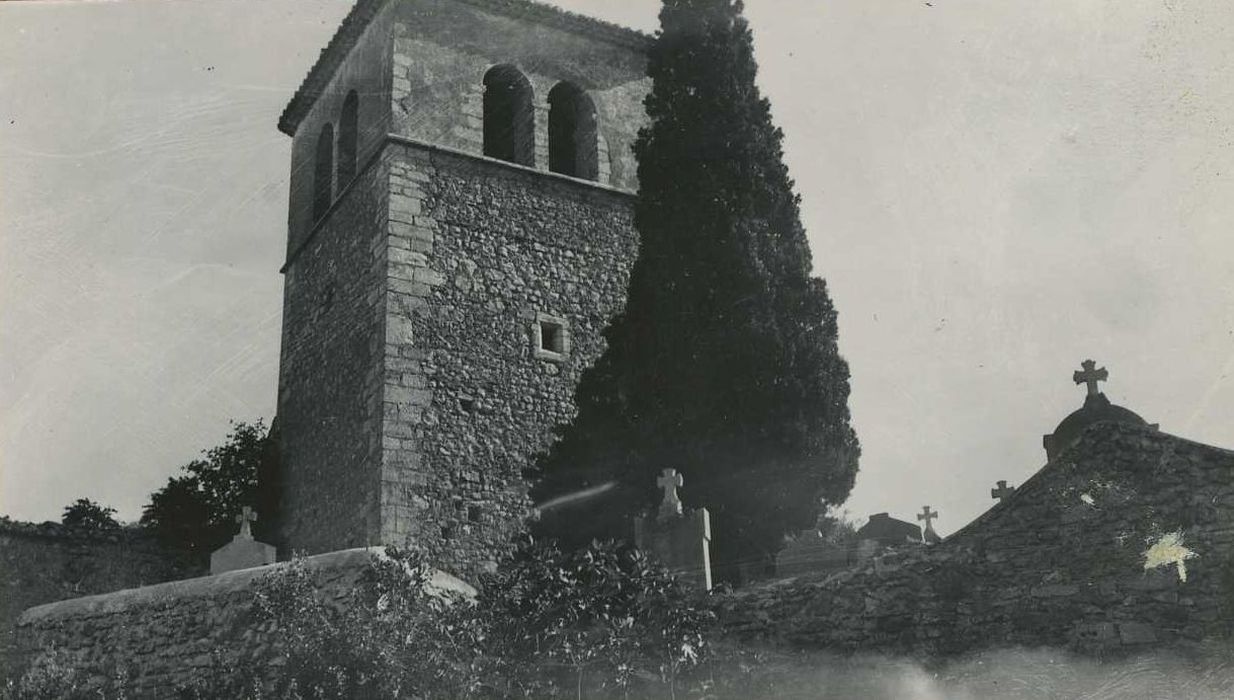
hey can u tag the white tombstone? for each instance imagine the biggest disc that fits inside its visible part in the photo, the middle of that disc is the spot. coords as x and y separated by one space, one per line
243 552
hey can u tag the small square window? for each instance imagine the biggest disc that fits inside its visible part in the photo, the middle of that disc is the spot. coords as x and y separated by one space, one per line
550 337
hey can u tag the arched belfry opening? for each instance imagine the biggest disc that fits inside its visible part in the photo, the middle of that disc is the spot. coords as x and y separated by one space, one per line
509 119
323 172
347 138
572 139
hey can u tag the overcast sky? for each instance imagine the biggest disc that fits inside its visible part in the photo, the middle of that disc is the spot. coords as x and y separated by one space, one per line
994 189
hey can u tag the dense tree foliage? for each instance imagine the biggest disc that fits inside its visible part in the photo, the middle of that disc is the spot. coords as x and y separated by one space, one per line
86 513
724 364
196 510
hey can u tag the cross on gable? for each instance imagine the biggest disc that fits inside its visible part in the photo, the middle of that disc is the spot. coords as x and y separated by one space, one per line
1003 491
247 515
927 515
670 481
1090 376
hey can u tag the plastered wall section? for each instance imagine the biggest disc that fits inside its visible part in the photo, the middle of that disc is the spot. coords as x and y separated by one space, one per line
479 252
1126 541
441 51
331 373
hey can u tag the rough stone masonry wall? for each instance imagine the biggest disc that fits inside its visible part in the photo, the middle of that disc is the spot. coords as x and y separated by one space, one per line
49 562
176 634
330 373
1061 563
478 249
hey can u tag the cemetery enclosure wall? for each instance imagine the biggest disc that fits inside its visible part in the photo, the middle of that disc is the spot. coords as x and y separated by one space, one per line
1068 560
172 635
49 562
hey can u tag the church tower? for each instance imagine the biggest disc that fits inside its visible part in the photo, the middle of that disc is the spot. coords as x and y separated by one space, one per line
460 232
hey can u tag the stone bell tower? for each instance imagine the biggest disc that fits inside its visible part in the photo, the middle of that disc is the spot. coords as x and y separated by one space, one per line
460 232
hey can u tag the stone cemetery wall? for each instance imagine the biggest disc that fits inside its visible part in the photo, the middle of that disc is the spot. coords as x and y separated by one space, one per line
49 562
1125 540
170 635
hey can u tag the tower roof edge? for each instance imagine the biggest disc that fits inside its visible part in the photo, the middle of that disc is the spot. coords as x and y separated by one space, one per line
363 12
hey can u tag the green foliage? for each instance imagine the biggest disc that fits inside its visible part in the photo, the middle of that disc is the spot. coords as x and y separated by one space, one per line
837 529
599 622
724 364
602 617
196 511
56 675
86 513
371 644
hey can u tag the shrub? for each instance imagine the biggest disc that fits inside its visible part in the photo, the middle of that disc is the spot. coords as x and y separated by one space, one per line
599 622
86 513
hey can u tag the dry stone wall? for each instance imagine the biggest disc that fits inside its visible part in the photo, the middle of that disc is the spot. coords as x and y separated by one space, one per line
1060 563
178 634
49 562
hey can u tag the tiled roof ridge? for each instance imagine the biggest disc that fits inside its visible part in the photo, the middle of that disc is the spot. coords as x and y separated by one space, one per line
565 19
357 20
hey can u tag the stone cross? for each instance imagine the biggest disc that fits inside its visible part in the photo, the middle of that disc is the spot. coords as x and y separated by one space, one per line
670 481
927 533
1003 492
248 515
1090 376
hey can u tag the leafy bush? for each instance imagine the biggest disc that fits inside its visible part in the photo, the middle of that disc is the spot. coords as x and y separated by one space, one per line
599 622
602 617
87 514
196 511
56 675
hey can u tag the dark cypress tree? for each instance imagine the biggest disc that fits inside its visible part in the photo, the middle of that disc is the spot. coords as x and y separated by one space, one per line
724 363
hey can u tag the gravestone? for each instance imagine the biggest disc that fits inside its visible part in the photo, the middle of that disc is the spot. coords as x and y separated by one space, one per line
243 552
1096 409
1003 492
928 535
677 538
1090 375
670 507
